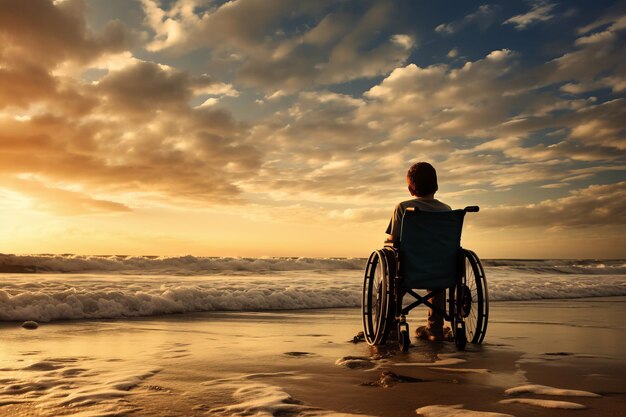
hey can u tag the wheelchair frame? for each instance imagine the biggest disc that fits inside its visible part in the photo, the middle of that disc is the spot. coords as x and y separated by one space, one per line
460 299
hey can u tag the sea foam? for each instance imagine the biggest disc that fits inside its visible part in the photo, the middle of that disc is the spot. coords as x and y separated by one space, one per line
80 301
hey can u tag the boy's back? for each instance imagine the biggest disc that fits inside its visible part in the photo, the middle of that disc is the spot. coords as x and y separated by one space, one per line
424 204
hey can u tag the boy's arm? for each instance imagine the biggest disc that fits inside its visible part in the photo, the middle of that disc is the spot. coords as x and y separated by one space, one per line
393 229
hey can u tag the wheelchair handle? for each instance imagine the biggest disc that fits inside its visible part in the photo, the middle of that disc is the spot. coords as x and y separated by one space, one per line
471 209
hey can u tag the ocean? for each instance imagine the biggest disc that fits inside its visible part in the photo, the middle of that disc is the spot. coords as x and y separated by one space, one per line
59 287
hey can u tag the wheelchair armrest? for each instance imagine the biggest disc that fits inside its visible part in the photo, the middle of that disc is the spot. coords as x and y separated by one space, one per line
471 209
391 244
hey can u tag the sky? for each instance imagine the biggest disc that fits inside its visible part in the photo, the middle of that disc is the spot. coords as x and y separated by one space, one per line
285 128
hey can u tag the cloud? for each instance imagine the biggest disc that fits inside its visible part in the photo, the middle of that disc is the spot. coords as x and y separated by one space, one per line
53 33
555 185
37 38
360 215
539 12
195 157
476 122
440 100
93 116
483 17
132 129
603 49
334 46
405 41
613 17
596 205
146 87
60 201
602 124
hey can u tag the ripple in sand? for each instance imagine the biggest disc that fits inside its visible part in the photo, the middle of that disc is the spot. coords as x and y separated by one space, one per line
565 405
13 401
247 377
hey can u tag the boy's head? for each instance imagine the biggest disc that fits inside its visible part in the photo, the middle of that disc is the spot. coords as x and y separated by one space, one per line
422 179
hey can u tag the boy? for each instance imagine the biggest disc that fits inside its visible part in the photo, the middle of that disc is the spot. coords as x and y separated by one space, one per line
422 183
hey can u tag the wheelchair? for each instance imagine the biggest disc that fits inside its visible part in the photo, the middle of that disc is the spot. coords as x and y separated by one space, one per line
429 256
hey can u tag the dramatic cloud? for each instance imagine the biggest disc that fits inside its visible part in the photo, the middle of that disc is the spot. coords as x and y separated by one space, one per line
199 152
275 50
492 106
308 113
117 133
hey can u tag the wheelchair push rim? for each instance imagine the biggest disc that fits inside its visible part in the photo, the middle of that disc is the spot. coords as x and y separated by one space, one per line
377 303
472 298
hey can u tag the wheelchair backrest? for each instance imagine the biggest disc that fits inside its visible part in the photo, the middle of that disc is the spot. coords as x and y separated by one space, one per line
429 248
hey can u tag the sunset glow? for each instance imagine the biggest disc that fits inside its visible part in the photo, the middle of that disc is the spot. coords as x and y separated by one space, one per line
281 128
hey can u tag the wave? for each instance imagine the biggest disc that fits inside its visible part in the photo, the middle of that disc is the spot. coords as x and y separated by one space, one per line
192 265
179 265
83 296
560 266
77 304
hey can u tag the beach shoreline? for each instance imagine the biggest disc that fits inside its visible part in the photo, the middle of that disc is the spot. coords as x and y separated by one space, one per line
304 363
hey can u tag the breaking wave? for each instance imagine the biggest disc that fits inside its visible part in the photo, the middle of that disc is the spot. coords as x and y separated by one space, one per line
192 265
178 265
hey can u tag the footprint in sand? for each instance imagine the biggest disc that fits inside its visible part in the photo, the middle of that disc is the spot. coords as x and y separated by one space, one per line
42 366
388 379
299 354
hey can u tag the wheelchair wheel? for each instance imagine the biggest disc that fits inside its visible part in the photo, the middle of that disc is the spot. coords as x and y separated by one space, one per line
378 304
472 298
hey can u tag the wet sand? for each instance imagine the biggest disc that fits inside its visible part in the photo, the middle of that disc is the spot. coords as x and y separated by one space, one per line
293 363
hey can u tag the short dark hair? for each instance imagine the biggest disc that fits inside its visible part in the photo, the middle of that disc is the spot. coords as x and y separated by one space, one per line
422 179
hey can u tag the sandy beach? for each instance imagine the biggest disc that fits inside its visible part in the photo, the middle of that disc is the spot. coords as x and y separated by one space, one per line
292 363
